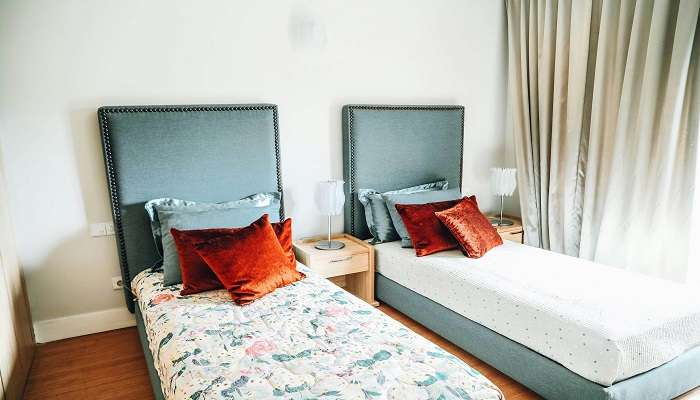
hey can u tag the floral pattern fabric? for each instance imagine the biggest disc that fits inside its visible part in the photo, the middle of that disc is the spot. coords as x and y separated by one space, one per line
308 340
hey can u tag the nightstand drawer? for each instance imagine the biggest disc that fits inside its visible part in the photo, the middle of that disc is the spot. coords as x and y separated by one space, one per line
339 264
513 236
351 267
511 231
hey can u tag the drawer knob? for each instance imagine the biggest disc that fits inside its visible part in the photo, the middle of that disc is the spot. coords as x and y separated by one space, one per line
341 259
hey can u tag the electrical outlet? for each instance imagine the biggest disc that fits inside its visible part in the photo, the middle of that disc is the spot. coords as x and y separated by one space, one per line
117 283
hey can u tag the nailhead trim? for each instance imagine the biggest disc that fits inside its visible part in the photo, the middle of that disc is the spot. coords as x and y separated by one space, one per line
104 112
351 138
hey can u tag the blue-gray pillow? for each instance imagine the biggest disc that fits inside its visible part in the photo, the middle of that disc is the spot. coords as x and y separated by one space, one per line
166 214
263 199
377 214
392 199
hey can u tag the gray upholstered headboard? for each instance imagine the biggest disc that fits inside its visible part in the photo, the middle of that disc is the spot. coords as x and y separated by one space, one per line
200 152
389 147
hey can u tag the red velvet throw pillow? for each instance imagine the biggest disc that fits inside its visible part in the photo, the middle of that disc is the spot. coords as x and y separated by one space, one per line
470 228
250 263
197 277
427 233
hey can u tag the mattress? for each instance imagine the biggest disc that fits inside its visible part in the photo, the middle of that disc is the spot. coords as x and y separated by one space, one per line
603 323
310 339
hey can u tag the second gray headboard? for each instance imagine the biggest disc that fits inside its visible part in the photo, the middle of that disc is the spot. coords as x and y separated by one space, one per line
388 147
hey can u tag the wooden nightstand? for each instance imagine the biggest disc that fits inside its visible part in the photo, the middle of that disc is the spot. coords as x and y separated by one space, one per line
514 232
351 267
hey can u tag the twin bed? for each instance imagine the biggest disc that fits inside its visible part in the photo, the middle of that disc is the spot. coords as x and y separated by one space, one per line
558 325
564 327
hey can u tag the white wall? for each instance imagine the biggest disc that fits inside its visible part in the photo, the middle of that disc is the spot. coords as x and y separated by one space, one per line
60 60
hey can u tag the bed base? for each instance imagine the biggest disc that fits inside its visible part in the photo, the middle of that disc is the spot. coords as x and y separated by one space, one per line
152 374
533 370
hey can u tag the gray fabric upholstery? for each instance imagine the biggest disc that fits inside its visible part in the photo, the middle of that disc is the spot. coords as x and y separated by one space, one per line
390 147
152 373
544 376
379 221
392 199
207 153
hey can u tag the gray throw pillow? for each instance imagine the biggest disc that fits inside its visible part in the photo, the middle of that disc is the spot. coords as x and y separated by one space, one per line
167 213
392 199
377 214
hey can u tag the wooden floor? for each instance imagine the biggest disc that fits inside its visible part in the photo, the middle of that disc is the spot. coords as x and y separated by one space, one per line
110 365
107 365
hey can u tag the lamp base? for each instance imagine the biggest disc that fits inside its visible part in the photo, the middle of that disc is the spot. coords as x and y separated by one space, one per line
499 222
329 245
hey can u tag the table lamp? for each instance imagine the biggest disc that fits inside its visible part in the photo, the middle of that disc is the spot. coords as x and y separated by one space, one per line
329 200
502 184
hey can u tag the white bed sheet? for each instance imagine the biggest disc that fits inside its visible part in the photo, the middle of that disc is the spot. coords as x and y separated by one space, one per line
603 323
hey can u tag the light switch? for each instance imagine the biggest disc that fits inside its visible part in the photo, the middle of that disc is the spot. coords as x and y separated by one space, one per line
101 229
97 230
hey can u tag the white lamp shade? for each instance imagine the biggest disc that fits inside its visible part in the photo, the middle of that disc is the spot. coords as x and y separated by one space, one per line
330 197
503 181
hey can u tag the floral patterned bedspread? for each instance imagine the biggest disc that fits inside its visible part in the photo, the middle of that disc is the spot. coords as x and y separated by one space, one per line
309 340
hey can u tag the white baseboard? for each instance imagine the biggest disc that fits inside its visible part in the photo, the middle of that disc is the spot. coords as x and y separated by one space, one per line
82 324
692 395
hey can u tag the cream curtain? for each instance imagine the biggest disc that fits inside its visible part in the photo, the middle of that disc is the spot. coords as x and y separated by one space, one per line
605 99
